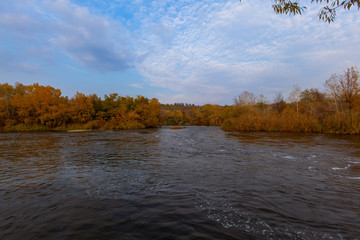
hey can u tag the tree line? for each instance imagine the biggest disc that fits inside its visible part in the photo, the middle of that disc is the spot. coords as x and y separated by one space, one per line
36 107
337 110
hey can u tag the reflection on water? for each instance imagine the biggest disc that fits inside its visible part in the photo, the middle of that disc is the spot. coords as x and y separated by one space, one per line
197 182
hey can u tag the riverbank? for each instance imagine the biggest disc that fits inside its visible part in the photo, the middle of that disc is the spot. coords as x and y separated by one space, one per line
234 124
290 121
36 108
71 128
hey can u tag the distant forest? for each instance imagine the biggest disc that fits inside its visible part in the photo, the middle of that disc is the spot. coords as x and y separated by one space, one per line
43 108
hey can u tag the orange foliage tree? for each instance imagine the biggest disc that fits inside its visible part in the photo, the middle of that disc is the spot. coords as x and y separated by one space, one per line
43 106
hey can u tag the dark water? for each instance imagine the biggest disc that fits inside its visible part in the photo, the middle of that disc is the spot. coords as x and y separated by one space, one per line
194 183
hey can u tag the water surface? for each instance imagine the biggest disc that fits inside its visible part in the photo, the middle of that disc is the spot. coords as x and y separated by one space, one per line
192 183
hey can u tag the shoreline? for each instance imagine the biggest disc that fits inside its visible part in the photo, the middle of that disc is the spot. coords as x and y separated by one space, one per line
79 130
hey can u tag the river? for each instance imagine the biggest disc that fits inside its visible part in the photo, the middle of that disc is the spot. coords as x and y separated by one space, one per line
192 183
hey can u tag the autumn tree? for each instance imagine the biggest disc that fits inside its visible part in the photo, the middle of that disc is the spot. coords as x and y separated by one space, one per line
332 86
190 115
177 116
245 99
295 96
279 103
244 102
39 105
261 102
211 115
109 106
327 12
7 110
81 108
153 114
313 102
349 83
148 111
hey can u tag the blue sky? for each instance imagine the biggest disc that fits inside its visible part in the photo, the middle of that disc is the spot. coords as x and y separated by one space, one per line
189 51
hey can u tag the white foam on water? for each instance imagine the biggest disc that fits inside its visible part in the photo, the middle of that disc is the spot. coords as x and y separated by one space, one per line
217 207
336 168
284 156
354 177
344 168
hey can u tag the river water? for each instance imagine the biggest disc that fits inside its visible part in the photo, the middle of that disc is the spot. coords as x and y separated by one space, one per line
192 183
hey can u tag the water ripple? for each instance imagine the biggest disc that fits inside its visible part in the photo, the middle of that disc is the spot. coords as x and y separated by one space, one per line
197 182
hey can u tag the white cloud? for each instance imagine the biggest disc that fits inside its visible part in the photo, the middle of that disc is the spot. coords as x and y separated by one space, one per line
220 48
204 51
181 98
135 85
94 41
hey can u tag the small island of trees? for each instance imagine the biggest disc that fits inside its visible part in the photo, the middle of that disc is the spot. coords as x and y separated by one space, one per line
43 108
